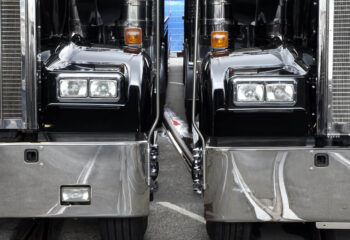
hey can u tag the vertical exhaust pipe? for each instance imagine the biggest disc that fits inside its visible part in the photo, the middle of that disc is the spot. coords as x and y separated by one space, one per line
202 139
157 94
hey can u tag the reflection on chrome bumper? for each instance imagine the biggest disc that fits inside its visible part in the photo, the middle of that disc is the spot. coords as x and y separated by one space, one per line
250 185
115 172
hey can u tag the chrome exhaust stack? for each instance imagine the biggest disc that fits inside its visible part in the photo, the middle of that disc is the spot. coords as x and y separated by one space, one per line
200 153
152 135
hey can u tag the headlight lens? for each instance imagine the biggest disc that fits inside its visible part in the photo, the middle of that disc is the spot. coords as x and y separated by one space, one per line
250 92
73 88
103 88
280 92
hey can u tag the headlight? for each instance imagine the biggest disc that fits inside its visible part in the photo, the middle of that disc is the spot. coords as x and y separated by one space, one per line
280 92
250 92
89 87
73 88
103 88
268 91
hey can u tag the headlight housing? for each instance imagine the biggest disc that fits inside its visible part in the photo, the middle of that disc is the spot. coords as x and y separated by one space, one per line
89 87
255 91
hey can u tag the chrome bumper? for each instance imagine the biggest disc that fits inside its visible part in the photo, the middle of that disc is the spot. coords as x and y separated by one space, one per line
115 171
253 185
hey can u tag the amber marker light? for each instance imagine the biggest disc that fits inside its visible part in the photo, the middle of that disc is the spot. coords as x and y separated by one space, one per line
219 40
133 36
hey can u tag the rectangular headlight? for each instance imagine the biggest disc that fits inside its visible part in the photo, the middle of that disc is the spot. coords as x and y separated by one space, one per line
73 88
250 92
103 88
264 91
280 92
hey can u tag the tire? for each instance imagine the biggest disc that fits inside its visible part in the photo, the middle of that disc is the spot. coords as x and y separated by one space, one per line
229 231
123 228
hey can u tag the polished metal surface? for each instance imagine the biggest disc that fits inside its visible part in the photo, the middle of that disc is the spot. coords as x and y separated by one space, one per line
18 64
194 96
216 16
333 225
137 14
114 170
322 69
334 80
157 89
29 63
277 184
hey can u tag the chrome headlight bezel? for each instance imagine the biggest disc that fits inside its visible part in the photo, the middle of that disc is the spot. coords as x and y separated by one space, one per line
90 77
266 81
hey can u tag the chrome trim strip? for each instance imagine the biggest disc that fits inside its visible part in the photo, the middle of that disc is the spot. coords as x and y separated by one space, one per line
322 86
264 109
74 143
329 79
333 225
30 108
221 149
24 47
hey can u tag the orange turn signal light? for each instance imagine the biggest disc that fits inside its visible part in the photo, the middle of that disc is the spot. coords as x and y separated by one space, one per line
133 36
219 40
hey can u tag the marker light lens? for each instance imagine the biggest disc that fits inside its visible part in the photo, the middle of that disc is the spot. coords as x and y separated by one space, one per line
219 40
133 36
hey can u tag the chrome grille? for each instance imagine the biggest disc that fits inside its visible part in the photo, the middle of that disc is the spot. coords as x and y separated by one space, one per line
11 60
334 68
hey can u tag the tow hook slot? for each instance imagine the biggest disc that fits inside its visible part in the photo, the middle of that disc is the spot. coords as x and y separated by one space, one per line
321 160
31 156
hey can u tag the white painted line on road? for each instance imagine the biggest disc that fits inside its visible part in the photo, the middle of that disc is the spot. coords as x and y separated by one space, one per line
176 83
182 211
